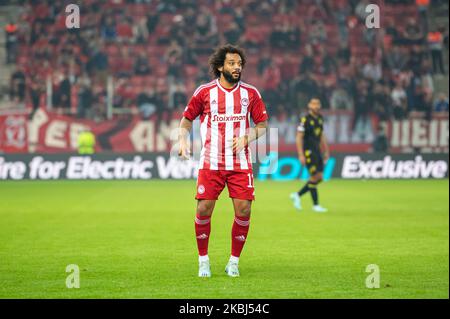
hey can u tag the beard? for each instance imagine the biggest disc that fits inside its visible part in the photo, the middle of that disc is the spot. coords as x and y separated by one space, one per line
229 77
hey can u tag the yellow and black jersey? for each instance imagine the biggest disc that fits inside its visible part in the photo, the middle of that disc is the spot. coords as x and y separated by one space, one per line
312 127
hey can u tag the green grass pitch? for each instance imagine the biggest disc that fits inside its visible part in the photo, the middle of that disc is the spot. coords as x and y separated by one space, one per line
135 239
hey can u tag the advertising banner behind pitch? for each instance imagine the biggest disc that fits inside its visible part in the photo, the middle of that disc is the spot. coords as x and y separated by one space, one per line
48 132
282 167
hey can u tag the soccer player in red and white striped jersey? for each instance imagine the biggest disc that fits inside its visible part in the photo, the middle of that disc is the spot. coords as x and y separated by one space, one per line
225 107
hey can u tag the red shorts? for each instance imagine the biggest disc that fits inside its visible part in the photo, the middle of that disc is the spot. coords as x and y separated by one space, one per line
210 184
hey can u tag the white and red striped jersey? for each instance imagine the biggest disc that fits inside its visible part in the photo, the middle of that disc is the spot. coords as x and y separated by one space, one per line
225 114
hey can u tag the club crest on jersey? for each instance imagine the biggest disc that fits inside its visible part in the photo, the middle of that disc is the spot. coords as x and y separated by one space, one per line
201 189
223 118
244 102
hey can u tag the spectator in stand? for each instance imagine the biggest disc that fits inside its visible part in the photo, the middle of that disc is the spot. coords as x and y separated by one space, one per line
317 34
11 30
140 31
340 99
392 31
206 35
85 98
324 62
302 89
202 76
189 54
177 31
307 63
436 46
382 104
190 18
416 58
264 61
61 99
17 86
177 95
108 29
344 54
381 143
239 18
286 36
264 9
427 78
276 37
141 65
147 104
152 21
422 6
395 59
317 11
271 79
37 88
341 15
441 103
399 101
363 106
125 30
372 70
233 34
173 59
225 6
413 34
293 36
126 65
166 7
65 91
98 62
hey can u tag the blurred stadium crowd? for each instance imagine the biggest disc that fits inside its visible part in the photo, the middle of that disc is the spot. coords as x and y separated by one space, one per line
156 53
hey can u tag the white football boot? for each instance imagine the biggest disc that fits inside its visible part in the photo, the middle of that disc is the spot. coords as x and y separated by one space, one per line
319 209
296 201
204 269
232 269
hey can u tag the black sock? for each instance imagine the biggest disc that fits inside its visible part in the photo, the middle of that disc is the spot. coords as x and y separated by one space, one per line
304 190
314 193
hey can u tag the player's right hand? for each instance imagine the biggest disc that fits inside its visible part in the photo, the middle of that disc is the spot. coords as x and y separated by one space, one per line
302 159
183 151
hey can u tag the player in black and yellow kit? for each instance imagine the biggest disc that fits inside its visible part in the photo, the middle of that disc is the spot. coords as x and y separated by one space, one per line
313 152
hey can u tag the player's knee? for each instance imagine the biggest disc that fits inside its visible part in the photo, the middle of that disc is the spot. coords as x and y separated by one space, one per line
205 208
244 210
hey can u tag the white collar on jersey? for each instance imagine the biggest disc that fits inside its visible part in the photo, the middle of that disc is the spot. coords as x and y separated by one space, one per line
224 90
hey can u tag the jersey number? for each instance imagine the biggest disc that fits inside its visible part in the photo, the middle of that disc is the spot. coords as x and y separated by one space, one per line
250 180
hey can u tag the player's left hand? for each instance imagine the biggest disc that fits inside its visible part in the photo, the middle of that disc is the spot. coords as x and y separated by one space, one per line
239 143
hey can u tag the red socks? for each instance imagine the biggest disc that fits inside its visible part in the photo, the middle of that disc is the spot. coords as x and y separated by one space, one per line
202 231
239 234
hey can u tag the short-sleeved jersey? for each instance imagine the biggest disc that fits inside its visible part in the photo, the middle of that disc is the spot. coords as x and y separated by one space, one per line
312 127
225 114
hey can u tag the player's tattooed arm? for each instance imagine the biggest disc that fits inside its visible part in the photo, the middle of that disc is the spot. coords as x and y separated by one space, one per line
324 147
239 143
183 138
300 150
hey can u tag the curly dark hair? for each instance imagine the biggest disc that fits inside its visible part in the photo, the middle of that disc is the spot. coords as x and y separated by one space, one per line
217 59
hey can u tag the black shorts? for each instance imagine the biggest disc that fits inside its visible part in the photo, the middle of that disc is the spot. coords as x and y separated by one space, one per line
314 162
